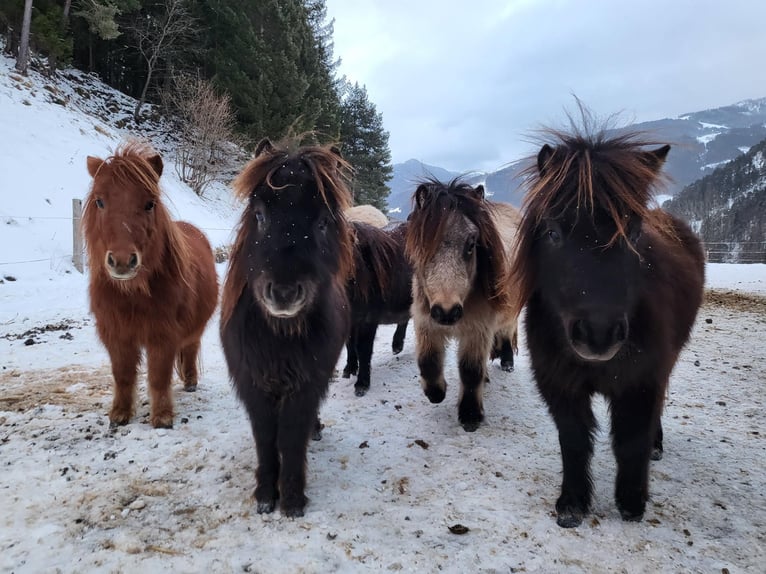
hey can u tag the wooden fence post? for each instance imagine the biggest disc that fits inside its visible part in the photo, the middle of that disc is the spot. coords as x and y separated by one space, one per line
77 249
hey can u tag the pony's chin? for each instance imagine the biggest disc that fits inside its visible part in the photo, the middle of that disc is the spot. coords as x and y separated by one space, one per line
284 313
123 277
590 356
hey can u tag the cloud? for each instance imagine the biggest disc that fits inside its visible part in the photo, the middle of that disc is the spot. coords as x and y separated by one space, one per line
461 84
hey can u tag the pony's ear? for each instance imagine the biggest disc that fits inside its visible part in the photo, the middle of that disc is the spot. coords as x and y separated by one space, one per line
543 157
479 191
656 157
94 163
336 150
264 146
420 195
156 162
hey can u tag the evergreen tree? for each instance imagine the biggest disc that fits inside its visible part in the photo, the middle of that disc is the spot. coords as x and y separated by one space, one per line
364 144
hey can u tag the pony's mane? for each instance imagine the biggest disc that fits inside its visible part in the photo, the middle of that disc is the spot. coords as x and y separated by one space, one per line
331 174
428 222
589 172
131 163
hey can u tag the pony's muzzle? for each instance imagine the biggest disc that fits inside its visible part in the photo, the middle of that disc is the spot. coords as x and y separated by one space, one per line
284 299
597 337
122 266
443 317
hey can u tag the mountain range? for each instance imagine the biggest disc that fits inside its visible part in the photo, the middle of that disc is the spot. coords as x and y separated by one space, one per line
702 141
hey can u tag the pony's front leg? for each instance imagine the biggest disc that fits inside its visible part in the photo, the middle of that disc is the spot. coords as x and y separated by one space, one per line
160 357
297 419
635 420
430 351
472 364
263 410
576 424
124 356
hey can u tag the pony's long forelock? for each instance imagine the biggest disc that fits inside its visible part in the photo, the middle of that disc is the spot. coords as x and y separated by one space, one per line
579 162
332 175
130 163
588 172
428 222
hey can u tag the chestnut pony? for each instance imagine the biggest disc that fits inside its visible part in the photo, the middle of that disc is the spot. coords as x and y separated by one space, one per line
612 288
153 282
285 312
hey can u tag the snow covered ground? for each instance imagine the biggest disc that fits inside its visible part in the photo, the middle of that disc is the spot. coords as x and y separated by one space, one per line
393 472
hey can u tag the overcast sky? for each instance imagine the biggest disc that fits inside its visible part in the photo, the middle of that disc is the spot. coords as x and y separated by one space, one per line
460 83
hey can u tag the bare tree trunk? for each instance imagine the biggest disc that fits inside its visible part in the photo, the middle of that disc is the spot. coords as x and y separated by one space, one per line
22 62
142 99
67 6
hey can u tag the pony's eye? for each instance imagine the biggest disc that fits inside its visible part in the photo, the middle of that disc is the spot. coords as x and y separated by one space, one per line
324 223
470 245
554 235
99 204
259 217
149 205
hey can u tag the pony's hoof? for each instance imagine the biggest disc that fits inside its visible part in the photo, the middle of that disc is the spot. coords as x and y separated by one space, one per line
471 427
265 506
396 349
656 454
293 511
629 516
569 518
162 421
346 373
435 394
190 388
360 391
316 434
507 367
118 418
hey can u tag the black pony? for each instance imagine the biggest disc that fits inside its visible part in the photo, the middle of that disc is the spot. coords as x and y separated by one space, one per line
612 289
284 313
380 293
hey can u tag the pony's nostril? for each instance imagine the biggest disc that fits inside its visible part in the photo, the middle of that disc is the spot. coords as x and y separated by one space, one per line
455 313
133 261
110 260
578 331
437 313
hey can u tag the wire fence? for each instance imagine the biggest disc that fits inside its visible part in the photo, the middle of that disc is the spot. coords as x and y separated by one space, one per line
715 251
8 218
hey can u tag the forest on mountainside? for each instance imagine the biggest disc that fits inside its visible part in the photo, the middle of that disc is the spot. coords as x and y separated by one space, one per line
271 59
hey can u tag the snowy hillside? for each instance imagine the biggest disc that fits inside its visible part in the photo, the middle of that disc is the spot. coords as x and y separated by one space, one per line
393 475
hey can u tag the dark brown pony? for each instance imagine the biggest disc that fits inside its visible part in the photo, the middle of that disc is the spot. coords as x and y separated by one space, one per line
153 282
380 293
285 312
612 288
459 244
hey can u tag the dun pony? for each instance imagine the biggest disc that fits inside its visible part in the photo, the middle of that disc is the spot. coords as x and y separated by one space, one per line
285 313
612 288
459 244
153 282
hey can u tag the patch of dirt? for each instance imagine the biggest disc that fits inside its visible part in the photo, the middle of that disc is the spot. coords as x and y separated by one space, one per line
735 300
81 388
64 325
